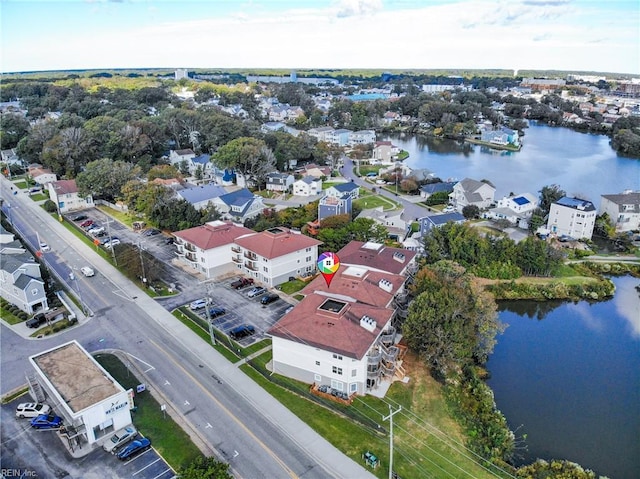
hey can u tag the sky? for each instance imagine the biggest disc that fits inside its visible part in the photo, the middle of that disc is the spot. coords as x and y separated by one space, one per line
568 35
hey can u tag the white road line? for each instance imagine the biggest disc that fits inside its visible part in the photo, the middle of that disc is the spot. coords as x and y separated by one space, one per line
148 465
163 473
151 368
167 383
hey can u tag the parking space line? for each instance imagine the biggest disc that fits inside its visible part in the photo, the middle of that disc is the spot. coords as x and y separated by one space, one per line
163 473
148 465
140 455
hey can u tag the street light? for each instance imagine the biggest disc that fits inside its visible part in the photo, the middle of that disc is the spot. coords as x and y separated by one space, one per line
73 277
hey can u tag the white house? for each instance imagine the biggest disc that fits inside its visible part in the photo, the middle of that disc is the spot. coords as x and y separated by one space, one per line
201 196
41 175
208 248
64 193
279 181
21 282
472 192
91 402
320 133
176 157
516 209
274 255
623 210
362 137
382 152
338 137
239 205
307 186
392 220
340 189
572 217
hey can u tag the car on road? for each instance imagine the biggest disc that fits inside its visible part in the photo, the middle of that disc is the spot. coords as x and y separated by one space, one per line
269 298
257 291
197 304
242 331
215 312
242 283
86 223
44 247
134 448
87 271
79 218
120 438
46 421
32 409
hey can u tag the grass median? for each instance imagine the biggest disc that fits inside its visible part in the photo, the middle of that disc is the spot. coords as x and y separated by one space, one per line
171 442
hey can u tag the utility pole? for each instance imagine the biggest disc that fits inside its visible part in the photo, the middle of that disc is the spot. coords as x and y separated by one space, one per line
113 250
209 287
144 278
390 418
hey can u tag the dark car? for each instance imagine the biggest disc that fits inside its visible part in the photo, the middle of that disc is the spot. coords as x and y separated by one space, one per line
242 331
151 232
79 218
242 283
44 421
269 298
36 321
133 448
215 312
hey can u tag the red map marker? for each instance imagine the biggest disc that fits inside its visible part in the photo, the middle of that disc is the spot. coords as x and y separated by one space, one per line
328 264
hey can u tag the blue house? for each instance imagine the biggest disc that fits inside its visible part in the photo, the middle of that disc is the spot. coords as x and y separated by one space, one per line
435 221
200 196
333 205
239 205
441 187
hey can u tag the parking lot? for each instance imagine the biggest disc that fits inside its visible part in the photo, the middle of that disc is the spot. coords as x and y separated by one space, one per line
241 309
28 452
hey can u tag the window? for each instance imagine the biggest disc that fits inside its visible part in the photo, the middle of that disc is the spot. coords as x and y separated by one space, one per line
337 385
34 291
353 387
317 363
317 378
265 269
354 373
337 356
308 258
336 370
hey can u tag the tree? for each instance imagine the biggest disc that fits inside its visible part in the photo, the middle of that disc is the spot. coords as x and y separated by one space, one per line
164 172
205 468
471 212
550 194
68 151
13 128
250 158
537 220
175 214
105 178
452 323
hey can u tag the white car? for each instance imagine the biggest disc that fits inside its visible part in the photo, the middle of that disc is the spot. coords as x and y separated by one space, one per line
31 409
120 438
87 271
112 243
448 209
44 247
197 304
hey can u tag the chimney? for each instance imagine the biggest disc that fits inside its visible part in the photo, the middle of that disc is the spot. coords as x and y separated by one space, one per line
368 323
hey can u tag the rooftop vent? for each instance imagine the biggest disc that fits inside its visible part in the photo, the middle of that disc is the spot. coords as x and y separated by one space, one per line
385 285
400 257
368 323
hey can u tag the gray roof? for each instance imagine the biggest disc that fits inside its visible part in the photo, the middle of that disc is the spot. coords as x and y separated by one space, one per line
202 193
438 187
625 199
308 179
470 185
24 280
444 218
346 187
11 262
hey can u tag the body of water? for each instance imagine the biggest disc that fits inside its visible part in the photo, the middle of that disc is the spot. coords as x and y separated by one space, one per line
584 165
567 375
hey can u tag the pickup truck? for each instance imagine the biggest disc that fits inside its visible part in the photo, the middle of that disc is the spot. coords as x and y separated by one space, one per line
242 283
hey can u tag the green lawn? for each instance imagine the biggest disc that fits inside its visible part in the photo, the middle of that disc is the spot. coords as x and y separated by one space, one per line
122 216
39 197
291 287
374 201
167 437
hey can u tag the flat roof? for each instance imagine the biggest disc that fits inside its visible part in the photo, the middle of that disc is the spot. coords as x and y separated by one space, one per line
77 377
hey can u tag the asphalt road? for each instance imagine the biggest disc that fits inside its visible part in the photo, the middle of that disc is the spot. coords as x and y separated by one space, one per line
217 403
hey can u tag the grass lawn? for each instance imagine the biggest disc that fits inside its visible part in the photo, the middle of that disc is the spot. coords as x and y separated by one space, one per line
364 169
39 197
291 287
22 184
10 317
166 436
122 216
374 201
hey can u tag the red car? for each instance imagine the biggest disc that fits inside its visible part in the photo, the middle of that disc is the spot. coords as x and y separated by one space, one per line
86 223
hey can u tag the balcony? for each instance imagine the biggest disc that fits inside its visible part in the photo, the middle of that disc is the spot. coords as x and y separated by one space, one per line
237 259
390 354
250 255
373 374
250 265
189 247
388 370
236 249
388 337
374 357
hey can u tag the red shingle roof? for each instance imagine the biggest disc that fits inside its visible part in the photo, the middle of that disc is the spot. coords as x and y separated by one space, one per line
212 236
65 187
276 242
378 256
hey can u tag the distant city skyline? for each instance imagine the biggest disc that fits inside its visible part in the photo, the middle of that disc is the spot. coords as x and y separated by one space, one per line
567 35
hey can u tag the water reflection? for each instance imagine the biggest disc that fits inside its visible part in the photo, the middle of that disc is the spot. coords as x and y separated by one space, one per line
628 306
530 309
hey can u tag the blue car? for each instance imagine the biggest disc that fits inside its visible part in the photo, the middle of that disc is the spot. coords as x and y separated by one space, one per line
215 312
133 448
45 421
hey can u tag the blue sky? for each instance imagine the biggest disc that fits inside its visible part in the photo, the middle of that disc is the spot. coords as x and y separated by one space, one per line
578 35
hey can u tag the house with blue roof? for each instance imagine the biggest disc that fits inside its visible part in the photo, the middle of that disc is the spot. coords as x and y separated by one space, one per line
201 196
427 223
334 205
572 217
501 136
517 209
239 205
204 163
441 187
341 189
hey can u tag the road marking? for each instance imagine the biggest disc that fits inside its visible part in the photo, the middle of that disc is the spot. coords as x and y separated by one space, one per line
187 403
163 473
151 368
140 455
208 426
229 413
148 465
235 453
167 383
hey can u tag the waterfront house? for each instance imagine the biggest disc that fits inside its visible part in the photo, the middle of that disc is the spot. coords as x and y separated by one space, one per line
623 210
334 205
516 209
441 187
472 192
427 223
573 217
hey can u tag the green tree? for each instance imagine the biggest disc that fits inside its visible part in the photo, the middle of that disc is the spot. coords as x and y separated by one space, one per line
250 158
452 323
164 172
205 468
68 151
13 128
550 194
471 212
105 178
175 214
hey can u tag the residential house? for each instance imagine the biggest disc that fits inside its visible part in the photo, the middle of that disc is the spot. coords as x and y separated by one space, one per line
311 169
21 282
202 162
64 193
389 117
382 152
201 196
10 157
208 248
350 188
294 112
344 336
516 209
472 192
279 181
573 217
177 157
9 244
307 186
427 223
223 177
623 210
41 175
378 257
501 136
441 187
338 137
320 133
392 220
272 126
334 205
278 113
173 183
239 205
274 255
362 137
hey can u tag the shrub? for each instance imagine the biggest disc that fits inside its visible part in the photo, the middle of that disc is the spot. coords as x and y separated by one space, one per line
49 206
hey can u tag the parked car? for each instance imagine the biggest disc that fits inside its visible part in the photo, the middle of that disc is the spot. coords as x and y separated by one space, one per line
32 409
197 304
134 448
242 283
242 331
112 243
448 209
120 438
95 230
269 298
79 218
169 240
215 312
151 232
86 223
36 321
46 421
87 271
44 247
257 291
